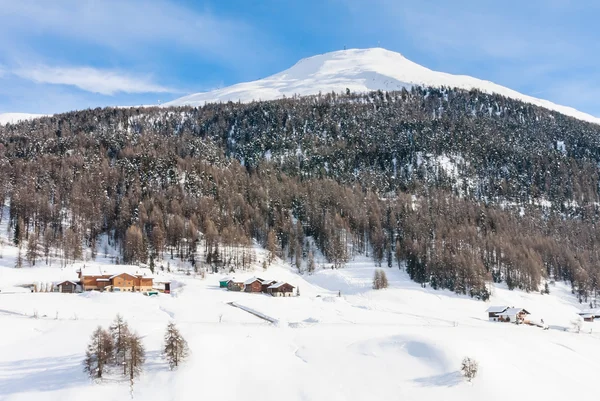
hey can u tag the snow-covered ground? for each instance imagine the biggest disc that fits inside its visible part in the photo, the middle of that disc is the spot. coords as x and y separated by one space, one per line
359 70
402 343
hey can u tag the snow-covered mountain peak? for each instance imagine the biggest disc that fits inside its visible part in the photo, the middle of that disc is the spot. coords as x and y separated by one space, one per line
359 70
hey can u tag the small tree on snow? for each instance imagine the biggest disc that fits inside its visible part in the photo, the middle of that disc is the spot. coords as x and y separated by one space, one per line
135 355
98 354
119 331
577 324
176 348
379 279
469 368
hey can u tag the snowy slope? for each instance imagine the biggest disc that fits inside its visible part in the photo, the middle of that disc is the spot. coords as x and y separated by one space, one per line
12 118
359 70
405 342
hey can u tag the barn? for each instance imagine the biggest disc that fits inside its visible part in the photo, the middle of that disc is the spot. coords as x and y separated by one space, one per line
253 285
281 289
67 287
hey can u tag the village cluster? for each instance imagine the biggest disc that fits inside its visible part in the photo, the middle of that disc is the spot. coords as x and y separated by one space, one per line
259 285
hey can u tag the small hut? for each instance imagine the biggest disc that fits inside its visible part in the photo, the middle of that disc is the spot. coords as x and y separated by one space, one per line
235 286
66 287
513 315
281 289
266 284
494 312
253 285
224 282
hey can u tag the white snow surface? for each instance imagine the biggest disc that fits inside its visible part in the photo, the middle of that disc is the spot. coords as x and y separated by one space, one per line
13 118
360 70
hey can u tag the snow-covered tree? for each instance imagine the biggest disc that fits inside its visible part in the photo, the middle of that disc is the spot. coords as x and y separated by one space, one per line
175 348
469 368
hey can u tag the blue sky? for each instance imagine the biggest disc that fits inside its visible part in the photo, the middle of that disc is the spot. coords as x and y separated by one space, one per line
60 55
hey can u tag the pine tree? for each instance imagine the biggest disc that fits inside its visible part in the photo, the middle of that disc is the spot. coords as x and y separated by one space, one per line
176 348
98 354
32 252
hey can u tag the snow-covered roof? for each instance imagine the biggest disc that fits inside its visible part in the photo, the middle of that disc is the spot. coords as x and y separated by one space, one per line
103 279
114 270
496 309
66 281
268 281
226 278
587 315
119 274
251 280
513 312
594 312
279 284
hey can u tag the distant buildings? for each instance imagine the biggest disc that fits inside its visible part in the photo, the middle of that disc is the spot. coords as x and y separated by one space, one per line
256 285
115 278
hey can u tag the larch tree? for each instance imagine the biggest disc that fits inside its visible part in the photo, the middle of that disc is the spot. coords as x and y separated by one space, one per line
135 356
119 331
175 348
99 353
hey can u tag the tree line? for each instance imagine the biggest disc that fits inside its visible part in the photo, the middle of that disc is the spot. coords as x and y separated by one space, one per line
459 188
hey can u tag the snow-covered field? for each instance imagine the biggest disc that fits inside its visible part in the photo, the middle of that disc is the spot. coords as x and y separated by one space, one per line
401 343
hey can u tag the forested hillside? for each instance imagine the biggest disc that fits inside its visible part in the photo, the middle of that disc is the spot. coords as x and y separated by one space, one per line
459 187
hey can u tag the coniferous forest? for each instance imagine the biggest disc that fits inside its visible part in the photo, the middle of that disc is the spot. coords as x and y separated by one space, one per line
459 188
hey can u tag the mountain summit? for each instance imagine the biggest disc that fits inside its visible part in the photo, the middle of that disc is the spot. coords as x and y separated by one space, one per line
360 70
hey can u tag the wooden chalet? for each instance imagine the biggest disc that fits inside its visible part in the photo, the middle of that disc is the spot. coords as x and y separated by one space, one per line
513 315
281 289
589 315
266 284
495 311
116 278
235 286
253 285
67 286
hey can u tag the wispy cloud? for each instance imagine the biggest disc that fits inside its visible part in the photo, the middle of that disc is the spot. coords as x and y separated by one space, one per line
132 27
91 79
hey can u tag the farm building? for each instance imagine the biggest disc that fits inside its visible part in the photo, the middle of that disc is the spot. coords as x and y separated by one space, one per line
224 281
115 278
266 284
281 289
235 286
593 313
494 311
513 315
253 285
587 317
162 286
67 287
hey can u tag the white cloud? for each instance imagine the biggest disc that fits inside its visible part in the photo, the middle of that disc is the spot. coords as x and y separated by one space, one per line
94 80
135 28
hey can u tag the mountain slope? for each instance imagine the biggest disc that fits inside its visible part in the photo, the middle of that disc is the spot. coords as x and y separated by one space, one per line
360 70
13 118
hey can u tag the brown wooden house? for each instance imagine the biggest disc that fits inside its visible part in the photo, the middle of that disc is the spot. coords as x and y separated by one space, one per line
117 278
235 286
266 284
253 285
281 289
